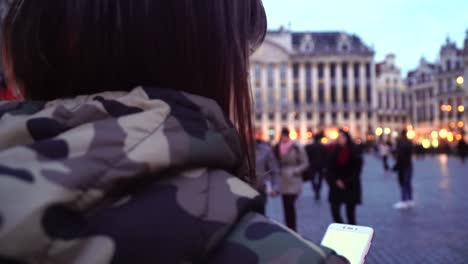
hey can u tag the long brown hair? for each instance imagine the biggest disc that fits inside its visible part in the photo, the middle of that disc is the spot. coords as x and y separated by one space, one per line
64 48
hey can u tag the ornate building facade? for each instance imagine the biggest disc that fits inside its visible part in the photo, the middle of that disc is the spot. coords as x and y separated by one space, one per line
314 81
439 93
392 97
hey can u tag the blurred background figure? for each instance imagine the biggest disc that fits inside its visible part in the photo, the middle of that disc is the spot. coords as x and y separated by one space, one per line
462 149
267 169
384 152
317 154
404 168
293 163
344 178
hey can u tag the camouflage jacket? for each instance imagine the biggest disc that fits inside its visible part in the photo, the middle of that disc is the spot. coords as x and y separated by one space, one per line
139 177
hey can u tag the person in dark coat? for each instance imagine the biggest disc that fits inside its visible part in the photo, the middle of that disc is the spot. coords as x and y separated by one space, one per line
404 168
462 150
317 154
344 178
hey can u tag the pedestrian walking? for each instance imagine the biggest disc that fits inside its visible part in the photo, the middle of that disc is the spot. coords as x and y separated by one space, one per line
317 155
404 168
344 178
267 170
135 143
462 150
384 152
293 163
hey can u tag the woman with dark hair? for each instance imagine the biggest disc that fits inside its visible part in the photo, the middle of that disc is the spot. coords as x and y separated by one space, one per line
344 178
134 144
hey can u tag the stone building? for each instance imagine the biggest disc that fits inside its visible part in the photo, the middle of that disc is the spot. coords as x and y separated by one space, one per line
392 97
313 81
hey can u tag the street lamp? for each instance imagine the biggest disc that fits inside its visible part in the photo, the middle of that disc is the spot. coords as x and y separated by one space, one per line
461 108
460 80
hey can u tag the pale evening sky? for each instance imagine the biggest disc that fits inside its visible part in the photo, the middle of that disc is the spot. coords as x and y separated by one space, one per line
408 28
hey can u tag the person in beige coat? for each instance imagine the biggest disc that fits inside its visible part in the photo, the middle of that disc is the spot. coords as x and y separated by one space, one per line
293 162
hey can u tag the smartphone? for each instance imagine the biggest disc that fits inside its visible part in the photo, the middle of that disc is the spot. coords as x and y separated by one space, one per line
352 242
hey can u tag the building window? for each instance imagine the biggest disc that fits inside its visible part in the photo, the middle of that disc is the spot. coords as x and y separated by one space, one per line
283 72
457 65
309 116
388 100
271 75
356 70
308 83
358 115
322 118
334 116
258 116
346 115
344 71
369 115
403 101
449 85
297 97
297 116
380 100
369 93
441 86
345 93
258 100
396 97
333 70
320 71
321 93
387 82
448 65
309 94
333 94
368 70
258 72
357 94
284 96
296 71
271 98
284 116
271 116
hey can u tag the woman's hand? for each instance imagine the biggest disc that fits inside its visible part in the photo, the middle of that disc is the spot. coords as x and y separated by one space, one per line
340 184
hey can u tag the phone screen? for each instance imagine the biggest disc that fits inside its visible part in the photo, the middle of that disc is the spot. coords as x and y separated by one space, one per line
349 244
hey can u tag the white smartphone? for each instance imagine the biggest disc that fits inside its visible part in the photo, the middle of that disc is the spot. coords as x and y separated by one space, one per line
352 242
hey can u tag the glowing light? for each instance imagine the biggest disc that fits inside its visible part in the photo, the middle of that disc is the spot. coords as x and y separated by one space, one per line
450 137
461 108
309 135
293 135
379 131
387 131
460 80
434 134
410 127
333 134
411 134
449 108
435 143
461 124
459 137
426 143
443 133
394 134
443 108
324 140
346 129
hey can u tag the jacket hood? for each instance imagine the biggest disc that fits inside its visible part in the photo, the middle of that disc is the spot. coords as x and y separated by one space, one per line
117 135
75 151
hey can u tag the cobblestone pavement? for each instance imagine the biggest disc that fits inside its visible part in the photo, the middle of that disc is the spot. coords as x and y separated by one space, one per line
435 231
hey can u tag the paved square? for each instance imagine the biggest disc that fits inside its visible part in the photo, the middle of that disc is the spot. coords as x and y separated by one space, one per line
436 231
